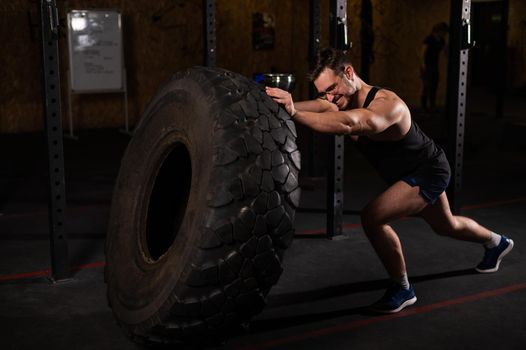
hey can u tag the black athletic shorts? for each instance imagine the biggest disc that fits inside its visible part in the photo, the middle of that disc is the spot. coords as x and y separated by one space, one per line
432 178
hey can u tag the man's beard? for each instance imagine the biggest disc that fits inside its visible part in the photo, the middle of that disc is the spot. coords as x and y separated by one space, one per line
343 107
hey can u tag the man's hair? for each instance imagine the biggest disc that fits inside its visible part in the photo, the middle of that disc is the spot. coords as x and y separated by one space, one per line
330 58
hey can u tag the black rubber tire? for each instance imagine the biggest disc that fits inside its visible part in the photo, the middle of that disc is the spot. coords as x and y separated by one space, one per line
203 208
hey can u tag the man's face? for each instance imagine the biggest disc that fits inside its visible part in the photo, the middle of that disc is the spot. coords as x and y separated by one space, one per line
335 88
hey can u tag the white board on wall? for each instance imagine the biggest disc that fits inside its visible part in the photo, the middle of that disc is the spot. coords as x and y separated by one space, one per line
95 51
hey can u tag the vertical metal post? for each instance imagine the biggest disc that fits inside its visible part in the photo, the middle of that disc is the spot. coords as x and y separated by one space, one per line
460 43
339 40
209 20
503 64
338 25
315 167
335 187
51 79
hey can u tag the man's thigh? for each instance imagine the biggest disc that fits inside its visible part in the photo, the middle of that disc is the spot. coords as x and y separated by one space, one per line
395 202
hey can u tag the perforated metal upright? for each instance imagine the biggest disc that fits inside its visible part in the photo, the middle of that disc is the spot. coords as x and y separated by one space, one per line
339 40
209 20
460 42
53 125
314 161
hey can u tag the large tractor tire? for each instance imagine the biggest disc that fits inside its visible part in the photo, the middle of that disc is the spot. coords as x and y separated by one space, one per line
203 209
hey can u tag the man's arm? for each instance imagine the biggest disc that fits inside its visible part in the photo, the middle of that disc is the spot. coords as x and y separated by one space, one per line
380 115
285 98
383 112
316 105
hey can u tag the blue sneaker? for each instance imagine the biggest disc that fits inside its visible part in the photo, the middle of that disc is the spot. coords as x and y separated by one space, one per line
493 256
395 299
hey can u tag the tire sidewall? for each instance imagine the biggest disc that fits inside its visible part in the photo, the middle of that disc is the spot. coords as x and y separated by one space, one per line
185 119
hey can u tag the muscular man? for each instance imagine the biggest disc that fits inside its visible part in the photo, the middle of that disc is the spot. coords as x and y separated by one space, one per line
414 167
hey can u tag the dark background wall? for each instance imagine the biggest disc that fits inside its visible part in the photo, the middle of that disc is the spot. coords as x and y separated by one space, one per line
162 37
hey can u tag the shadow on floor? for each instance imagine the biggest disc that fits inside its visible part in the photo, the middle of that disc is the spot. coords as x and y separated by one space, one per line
352 288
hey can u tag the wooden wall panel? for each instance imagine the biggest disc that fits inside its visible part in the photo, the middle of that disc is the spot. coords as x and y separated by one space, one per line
165 36
160 38
20 87
400 27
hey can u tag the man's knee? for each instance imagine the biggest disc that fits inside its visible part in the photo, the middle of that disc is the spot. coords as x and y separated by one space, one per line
446 227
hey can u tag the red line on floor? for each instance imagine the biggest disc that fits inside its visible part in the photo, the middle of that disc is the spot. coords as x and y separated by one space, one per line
47 272
89 266
25 275
373 320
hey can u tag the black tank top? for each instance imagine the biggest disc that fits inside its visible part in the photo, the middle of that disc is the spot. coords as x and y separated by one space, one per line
414 154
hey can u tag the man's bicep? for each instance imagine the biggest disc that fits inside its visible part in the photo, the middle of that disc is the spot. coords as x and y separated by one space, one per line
384 113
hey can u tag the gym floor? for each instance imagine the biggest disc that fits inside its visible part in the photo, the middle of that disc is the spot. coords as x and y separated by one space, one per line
321 298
